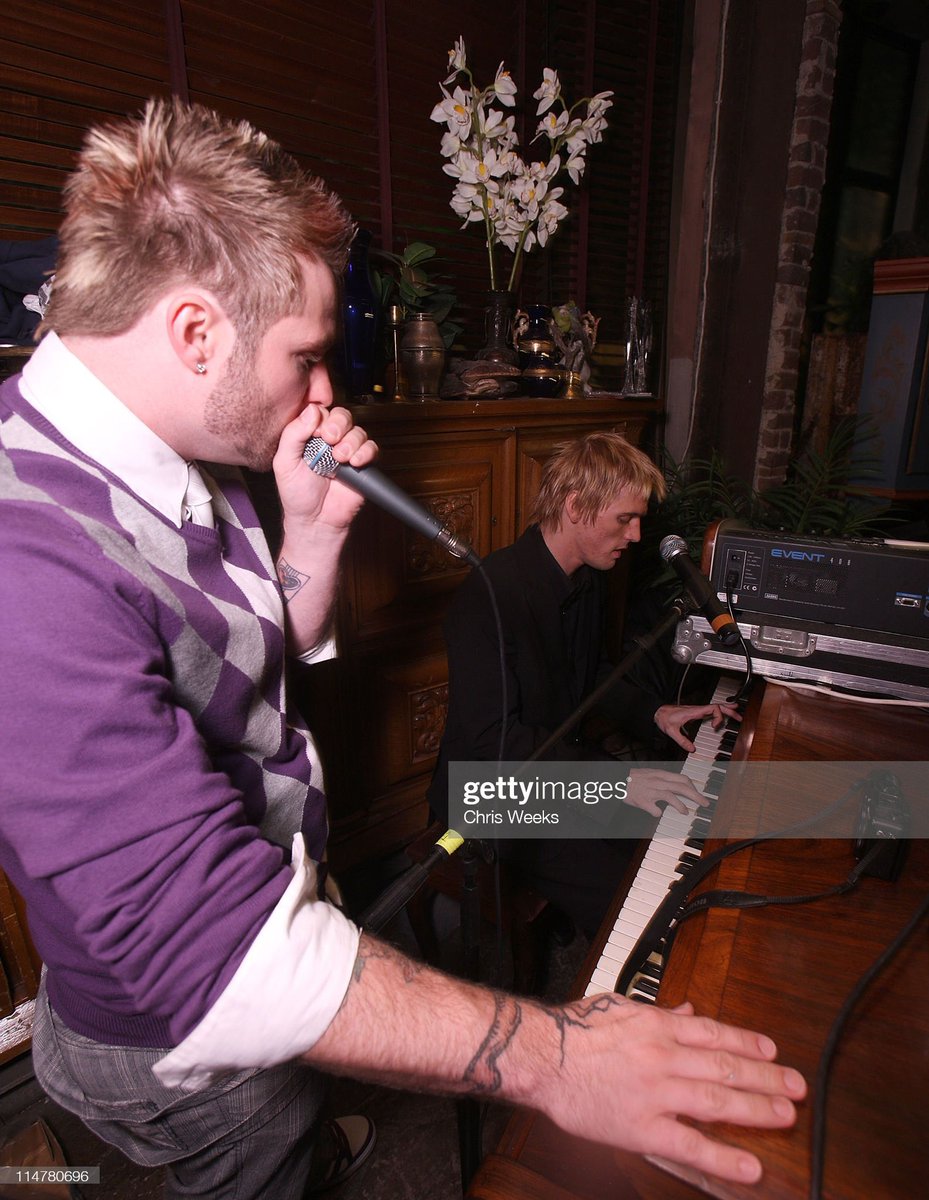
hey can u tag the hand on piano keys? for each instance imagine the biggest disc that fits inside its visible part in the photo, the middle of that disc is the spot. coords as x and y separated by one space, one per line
672 718
649 787
631 1070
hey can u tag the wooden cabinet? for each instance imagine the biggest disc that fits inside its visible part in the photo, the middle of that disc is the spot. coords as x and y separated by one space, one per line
19 973
378 711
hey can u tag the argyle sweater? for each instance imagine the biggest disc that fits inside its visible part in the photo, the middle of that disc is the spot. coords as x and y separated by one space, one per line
148 765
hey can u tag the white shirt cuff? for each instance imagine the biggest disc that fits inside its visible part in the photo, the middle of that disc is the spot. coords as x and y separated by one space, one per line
321 653
284 994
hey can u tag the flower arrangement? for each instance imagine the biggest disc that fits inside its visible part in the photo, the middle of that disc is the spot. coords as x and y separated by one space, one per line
517 201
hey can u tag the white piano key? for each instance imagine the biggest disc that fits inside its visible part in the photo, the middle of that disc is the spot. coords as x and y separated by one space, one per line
661 862
603 980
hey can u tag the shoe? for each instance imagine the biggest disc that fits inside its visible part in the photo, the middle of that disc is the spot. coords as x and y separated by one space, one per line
344 1145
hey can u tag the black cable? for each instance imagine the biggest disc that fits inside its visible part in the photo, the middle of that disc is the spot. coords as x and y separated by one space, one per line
501 652
832 1040
726 899
501 745
665 916
742 693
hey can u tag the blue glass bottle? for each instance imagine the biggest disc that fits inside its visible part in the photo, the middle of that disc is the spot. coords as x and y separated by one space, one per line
360 320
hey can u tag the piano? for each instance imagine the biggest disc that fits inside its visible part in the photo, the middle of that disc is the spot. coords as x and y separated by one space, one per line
784 970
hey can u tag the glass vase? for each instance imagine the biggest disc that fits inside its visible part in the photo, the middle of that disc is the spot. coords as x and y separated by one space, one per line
422 357
360 311
535 345
498 320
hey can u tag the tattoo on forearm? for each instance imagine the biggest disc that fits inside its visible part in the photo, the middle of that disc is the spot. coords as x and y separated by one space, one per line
368 950
291 579
483 1072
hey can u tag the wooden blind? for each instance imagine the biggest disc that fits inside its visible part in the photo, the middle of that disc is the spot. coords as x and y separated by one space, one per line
348 89
64 66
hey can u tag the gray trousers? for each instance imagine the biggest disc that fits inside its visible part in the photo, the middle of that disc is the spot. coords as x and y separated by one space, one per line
249 1137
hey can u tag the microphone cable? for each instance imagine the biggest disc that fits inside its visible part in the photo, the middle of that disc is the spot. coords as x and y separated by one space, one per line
832 1040
501 746
742 694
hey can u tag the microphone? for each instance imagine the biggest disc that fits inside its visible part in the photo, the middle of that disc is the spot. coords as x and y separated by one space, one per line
376 487
673 550
403 889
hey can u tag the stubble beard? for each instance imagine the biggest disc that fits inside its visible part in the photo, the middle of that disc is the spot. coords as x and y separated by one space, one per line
238 411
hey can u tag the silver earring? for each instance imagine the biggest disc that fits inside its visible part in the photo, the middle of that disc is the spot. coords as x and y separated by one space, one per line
200 368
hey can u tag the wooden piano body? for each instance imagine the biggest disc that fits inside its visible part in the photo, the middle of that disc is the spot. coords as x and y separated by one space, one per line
786 971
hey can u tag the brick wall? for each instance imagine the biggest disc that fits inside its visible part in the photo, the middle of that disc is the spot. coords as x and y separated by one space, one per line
806 174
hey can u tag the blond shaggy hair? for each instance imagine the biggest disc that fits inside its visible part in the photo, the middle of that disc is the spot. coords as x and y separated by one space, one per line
594 468
182 196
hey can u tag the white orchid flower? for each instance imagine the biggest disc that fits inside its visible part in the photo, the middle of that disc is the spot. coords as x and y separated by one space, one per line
593 129
455 111
553 212
548 92
467 202
552 126
457 59
451 144
494 124
575 166
504 87
510 162
597 105
483 172
544 170
577 142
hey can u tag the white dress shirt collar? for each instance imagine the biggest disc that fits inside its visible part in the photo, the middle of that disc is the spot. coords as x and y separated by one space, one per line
60 387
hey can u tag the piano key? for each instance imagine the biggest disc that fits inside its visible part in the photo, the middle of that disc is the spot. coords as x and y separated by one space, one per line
673 850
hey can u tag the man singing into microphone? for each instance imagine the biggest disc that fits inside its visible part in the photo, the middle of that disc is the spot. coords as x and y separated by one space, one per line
550 588
161 808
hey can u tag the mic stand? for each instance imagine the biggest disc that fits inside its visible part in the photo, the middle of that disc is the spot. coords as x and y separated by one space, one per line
680 608
402 890
469 1110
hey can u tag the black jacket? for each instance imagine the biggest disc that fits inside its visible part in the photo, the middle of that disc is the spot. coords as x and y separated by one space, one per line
553 633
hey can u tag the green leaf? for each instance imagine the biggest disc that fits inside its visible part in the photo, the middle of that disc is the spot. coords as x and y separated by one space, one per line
417 252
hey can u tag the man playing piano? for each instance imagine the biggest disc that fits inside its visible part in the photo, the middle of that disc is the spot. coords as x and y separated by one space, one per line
159 807
550 589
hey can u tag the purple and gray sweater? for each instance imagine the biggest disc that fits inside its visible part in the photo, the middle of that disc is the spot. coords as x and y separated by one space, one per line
148 764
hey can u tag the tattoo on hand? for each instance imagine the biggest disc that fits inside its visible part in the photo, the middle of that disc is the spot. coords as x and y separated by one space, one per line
291 579
576 1016
482 1071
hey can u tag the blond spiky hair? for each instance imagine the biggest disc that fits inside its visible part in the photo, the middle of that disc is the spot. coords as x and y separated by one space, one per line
181 195
594 468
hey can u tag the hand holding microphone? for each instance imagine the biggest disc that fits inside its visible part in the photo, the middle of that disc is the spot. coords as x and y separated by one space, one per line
376 487
673 550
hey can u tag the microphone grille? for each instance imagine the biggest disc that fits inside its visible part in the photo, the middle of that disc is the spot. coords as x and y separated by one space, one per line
318 456
671 546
